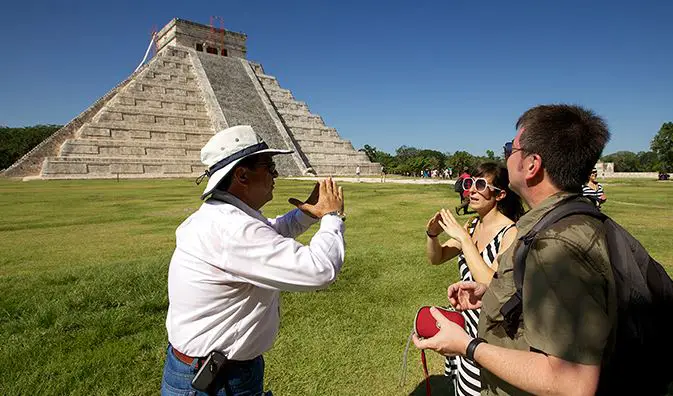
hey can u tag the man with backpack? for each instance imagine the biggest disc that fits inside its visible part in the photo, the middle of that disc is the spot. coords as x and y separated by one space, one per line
549 320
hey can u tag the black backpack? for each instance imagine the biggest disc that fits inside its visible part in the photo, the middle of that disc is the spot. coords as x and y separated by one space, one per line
458 187
640 361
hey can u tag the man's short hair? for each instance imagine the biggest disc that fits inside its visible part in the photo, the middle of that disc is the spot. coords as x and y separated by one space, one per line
568 138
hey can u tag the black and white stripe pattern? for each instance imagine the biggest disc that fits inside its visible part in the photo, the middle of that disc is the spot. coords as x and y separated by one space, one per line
463 372
594 195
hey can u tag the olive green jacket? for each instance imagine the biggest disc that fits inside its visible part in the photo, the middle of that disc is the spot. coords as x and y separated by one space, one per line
569 299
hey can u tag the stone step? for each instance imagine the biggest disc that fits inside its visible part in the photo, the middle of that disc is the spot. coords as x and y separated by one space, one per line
173 62
291 106
154 101
190 90
256 67
173 52
278 90
168 76
266 76
300 132
300 114
327 148
129 148
149 116
156 132
100 167
304 124
341 169
156 111
134 94
282 94
298 119
165 66
352 157
328 141
268 80
289 101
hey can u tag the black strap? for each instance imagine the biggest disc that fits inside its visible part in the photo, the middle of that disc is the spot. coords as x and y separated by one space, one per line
513 308
237 155
472 347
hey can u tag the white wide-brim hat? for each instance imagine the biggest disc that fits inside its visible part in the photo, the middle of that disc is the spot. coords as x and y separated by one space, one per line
227 148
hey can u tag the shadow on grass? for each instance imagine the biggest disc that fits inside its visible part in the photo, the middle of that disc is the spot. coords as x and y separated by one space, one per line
439 385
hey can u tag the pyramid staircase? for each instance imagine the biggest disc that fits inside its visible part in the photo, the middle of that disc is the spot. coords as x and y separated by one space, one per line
153 127
327 153
153 124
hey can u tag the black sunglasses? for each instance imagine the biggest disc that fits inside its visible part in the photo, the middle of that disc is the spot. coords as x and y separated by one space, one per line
271 166
509 149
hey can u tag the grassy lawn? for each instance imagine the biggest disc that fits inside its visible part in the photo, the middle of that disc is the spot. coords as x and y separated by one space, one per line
83 267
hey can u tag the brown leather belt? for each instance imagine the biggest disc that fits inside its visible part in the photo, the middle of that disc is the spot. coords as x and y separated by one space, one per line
189 360
183 358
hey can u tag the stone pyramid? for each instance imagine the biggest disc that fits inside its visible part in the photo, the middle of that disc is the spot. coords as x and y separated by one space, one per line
153 124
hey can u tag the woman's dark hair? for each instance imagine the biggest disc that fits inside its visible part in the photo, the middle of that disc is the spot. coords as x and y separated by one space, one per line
511 205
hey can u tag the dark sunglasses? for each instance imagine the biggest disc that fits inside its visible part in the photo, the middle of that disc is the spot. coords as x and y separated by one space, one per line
509 149
270 166
480 184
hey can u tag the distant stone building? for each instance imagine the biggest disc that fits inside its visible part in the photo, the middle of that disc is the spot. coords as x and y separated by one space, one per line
605 169
154 123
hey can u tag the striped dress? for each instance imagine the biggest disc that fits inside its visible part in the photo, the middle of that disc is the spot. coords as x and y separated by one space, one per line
462 371
594 195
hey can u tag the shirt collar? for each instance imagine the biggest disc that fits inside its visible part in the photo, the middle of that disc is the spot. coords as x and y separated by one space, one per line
231 199
527 221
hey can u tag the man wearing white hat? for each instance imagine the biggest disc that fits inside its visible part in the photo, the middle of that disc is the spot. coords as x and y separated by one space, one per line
230 264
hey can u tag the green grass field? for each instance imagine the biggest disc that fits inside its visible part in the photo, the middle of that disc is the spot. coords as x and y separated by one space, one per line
83 267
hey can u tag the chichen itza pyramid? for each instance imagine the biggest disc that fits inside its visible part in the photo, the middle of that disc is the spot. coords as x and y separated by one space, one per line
154 123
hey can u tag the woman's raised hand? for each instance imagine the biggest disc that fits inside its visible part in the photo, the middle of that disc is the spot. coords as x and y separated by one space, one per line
452 228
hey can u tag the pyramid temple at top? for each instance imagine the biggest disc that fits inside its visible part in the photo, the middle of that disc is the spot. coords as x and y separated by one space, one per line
154 123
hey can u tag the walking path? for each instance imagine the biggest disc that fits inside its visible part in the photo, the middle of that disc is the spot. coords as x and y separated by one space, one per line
378 180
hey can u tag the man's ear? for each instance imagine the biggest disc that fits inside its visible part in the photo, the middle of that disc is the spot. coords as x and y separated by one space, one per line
533 166
240 175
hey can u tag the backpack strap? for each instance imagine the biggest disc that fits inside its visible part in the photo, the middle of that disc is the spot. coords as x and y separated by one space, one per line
513 308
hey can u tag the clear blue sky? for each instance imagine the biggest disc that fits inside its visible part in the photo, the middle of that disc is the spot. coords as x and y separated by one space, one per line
448 75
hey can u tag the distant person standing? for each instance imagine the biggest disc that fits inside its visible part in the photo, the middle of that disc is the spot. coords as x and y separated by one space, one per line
463 194
357 172
383 174
594 190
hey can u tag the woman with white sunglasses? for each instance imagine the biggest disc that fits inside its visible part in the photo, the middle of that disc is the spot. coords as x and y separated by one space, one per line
477 244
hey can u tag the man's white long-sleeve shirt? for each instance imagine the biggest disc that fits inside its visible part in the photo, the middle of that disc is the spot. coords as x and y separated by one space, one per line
227 271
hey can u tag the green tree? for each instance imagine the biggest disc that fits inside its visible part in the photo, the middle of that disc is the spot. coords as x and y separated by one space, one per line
625 161
370 152
461 159
662 145
648 161
16 142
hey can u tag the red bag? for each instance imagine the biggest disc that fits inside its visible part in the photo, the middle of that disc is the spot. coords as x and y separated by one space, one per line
426 325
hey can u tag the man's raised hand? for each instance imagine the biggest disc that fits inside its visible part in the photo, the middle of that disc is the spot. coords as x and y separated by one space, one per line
326 197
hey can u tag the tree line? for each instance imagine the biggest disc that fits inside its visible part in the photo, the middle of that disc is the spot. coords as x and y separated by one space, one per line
16 142
412 161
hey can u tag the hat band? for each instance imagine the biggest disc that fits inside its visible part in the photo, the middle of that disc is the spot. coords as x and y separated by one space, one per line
238 155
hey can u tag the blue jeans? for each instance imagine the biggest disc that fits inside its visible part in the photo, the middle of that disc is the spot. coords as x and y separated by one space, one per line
241 378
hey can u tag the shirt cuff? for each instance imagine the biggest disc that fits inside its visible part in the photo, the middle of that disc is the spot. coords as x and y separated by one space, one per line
332 222
304 219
